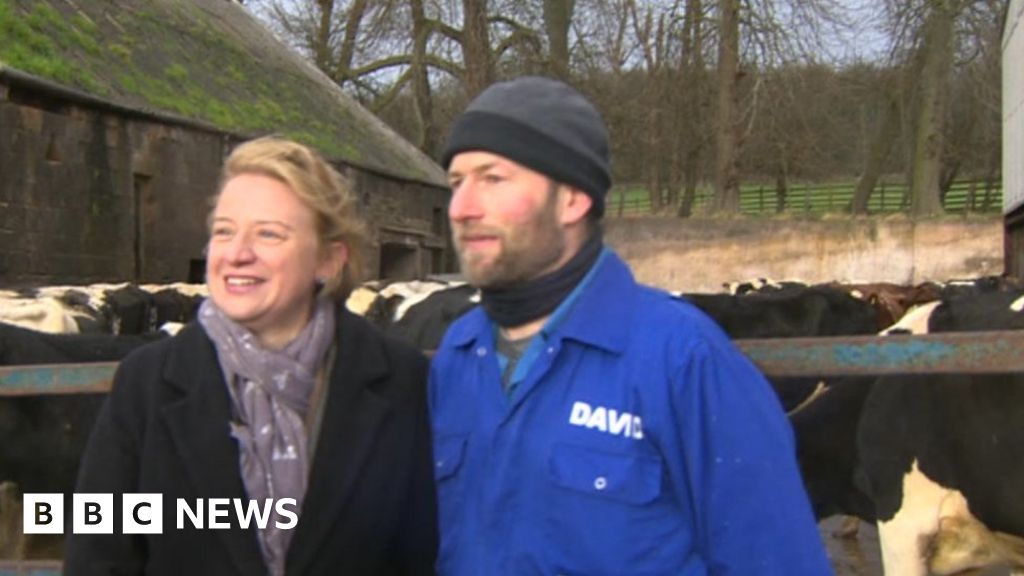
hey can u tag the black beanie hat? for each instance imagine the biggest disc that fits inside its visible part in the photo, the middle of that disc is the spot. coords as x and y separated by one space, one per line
543 124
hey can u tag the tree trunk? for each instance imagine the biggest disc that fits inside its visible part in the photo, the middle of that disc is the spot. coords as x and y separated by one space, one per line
348 42
691 89
557 18
322 42
781 188
674 181
655 185
994 164
429 136
476 47
727 191
878 152
690 185
929 138
946 179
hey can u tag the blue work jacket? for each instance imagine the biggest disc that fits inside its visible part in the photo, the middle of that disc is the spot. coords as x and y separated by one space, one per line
640 442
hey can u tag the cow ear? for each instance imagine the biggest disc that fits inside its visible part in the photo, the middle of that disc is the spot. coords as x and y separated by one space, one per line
575 204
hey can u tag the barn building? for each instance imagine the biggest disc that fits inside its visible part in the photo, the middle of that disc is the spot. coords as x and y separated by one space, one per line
1013 137
115 117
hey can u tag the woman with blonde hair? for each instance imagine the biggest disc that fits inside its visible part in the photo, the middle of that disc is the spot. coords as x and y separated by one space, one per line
277 394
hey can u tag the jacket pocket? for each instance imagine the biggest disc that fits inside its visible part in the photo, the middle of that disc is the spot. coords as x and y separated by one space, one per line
628 478
448 454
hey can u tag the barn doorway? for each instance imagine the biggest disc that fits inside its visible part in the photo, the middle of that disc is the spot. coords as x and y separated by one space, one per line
399 261
145 210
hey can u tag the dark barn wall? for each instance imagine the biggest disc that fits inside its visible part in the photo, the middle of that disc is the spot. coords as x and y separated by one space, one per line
175 174
409 224
63 208
88 195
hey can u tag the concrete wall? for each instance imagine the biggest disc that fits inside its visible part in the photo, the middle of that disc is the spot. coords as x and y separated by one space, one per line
701 255
91 196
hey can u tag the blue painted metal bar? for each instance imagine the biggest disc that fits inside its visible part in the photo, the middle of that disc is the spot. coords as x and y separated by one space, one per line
963 352
56 379
974 352
30 568
967 352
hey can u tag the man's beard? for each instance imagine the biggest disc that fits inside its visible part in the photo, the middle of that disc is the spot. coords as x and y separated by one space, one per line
525 252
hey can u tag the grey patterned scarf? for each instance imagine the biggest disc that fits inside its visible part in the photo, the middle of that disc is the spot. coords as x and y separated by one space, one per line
270 392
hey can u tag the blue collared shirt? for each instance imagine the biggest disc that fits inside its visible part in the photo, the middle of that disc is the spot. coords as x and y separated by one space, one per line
639 441
539 342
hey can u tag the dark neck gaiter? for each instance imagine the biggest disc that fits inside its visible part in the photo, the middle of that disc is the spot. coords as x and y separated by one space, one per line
523 303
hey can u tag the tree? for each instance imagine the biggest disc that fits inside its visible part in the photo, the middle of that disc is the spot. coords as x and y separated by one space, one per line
693 92
476 47
429 133
377 49
879 147
692 86
937 61
727 188
557 19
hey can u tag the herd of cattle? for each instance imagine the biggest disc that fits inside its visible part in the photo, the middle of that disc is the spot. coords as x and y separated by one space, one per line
936 461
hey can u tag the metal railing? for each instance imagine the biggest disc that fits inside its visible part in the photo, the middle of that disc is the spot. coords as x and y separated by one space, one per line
972 353
951 352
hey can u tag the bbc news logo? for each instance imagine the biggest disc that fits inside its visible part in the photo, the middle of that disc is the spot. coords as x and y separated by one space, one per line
144 513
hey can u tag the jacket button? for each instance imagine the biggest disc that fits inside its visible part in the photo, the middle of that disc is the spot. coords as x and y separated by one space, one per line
600 483
481 351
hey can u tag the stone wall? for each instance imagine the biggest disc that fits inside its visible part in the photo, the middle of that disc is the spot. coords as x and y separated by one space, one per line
64 207
700 255
92 196
410 228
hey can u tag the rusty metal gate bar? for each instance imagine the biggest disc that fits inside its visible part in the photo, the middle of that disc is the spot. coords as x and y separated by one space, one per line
56 379
969 352
30 568
965 352
947 353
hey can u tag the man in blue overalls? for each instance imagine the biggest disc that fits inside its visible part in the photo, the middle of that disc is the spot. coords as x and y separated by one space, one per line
585 424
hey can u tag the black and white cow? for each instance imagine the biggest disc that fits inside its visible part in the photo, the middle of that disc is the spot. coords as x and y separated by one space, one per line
942 457
100 308
789 313
937 461
44 436
421 312
424 323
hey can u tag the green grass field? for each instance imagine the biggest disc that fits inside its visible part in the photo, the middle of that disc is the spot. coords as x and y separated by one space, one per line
816 199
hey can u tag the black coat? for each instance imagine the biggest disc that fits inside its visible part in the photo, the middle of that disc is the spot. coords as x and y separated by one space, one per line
369 507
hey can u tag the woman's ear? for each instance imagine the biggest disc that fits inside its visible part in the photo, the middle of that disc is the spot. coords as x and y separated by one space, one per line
332 261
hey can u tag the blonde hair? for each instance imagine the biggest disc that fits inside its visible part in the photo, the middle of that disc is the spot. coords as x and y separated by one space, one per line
319 187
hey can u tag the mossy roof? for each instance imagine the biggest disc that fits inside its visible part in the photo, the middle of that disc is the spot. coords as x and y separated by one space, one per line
206 60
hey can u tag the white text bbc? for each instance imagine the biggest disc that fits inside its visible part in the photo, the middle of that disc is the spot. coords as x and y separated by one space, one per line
143 513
